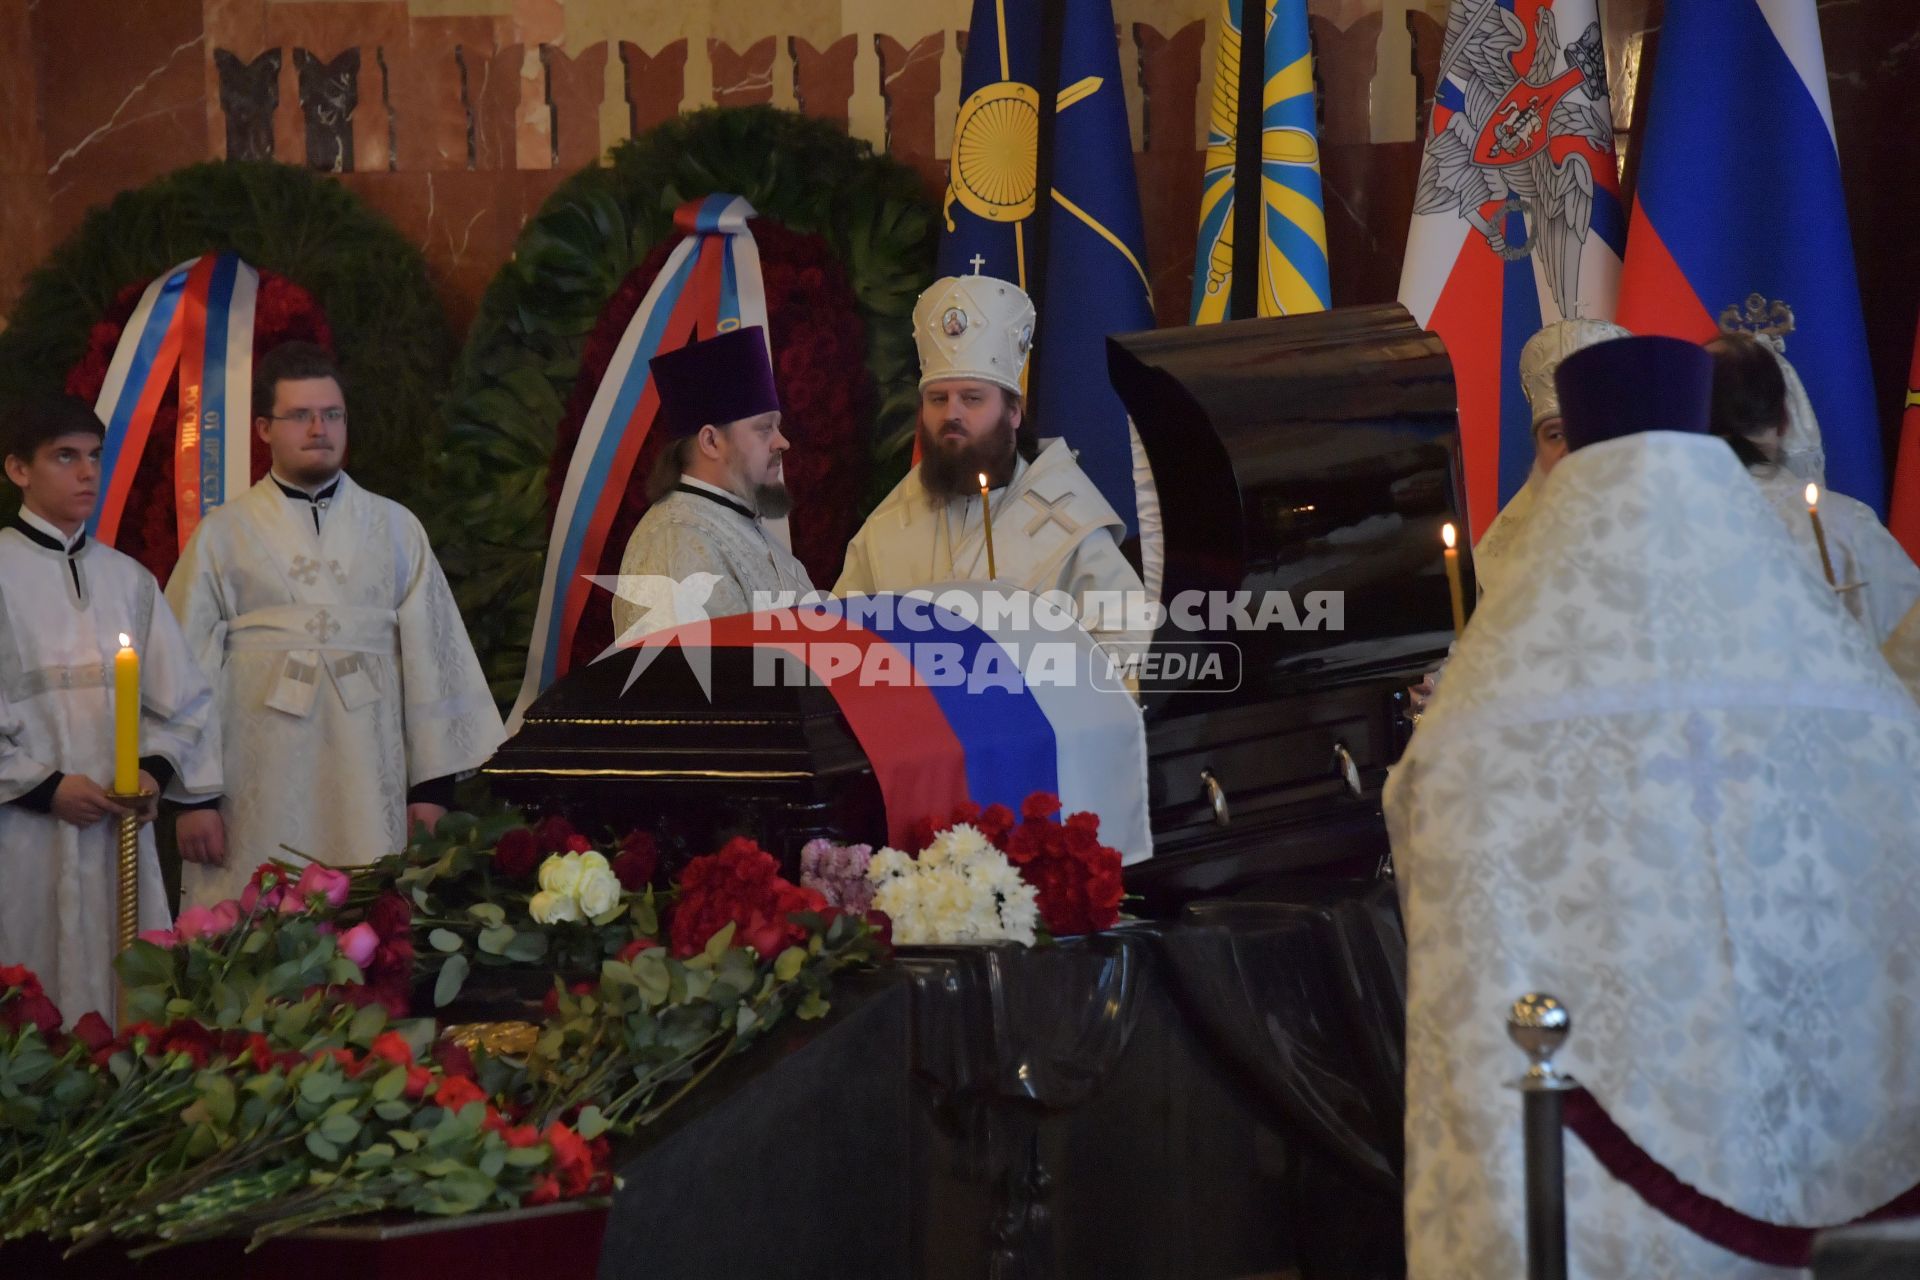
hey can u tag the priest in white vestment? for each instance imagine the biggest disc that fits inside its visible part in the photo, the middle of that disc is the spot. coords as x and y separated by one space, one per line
350 696
1670 781
65 603
703 548
1756 411
1540 359
1052 530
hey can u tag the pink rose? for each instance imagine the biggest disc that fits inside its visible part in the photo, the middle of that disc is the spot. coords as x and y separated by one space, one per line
161 937
251 899
225 915
324 881
359 943
194 922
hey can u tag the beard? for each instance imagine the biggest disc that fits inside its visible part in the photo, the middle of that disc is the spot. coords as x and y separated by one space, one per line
953 470
772 501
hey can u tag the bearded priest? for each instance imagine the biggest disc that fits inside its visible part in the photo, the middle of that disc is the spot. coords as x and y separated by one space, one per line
350 696
703 548
1052 531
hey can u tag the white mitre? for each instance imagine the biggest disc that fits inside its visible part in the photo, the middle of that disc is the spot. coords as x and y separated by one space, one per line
975 327
1544 352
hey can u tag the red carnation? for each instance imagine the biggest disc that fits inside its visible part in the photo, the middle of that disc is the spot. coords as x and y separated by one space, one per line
517 855
19 977
392 1047
740 885
458 1092
1039 806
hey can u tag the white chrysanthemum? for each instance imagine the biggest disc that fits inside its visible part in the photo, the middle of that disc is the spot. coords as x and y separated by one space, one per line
966 841
888 863
560 874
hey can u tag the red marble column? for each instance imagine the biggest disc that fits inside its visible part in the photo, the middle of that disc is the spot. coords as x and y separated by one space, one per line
742 79
823 79
909 81
655 82
1169 169
576 88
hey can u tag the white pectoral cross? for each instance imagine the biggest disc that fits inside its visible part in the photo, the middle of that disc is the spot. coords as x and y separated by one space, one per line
976 262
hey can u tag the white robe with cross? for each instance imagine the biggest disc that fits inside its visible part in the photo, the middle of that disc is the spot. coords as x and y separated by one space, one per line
61 618
343 670
1052 531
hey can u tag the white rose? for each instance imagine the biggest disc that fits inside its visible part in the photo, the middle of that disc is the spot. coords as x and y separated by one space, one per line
560 874
591 862
599 891
553 908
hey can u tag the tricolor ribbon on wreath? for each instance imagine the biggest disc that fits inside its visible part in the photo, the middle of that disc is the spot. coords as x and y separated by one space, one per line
194 321
710 284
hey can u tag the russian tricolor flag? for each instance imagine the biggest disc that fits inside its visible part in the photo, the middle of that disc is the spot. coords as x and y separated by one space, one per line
961 691
1517 219
1739 221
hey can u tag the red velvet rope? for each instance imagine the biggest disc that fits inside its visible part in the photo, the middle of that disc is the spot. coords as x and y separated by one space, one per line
1693 1209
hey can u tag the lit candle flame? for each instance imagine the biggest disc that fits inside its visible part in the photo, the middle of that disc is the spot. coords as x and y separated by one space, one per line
1447 535
126 641
983 479
1813 495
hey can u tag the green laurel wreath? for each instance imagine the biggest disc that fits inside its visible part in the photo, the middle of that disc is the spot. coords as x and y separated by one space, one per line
521 360
388 327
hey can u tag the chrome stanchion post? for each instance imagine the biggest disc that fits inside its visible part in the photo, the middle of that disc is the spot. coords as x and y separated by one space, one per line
1540 1025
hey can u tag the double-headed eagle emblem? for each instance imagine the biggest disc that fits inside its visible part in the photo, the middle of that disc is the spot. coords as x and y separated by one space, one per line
1498 149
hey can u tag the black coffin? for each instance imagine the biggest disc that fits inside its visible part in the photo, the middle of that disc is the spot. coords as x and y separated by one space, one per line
1300 454
775 761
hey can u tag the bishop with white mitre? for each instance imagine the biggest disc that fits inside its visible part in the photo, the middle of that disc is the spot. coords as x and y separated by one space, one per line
350 696
1052 530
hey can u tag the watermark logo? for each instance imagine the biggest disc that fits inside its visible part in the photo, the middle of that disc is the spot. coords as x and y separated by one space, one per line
1110 640
665 611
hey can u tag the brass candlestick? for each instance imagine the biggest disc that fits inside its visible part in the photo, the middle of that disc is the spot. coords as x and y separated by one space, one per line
127 888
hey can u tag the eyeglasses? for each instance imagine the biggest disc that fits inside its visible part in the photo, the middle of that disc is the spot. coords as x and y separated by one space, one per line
305 417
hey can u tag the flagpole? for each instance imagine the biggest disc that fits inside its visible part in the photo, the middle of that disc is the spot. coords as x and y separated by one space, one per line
1248 137
1053 27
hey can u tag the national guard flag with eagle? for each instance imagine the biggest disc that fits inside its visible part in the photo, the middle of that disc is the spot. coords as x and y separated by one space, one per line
1293 223
1517 220
1094 280
1739 222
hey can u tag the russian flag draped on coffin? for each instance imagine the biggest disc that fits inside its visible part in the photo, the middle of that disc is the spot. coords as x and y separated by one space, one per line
1517 219
1739 221
954 698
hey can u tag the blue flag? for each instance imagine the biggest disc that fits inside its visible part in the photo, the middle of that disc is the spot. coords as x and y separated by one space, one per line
1094 281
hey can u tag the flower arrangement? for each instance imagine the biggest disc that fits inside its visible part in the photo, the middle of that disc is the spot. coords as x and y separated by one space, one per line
958 889
953 888
498 893
178 1132
262 1086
